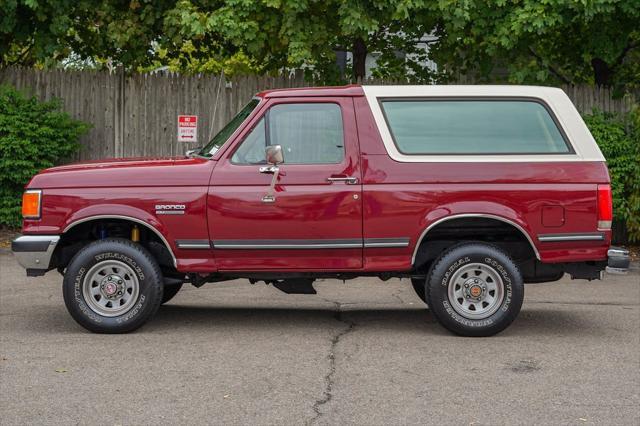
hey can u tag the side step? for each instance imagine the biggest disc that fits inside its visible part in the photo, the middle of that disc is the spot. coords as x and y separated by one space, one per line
295 286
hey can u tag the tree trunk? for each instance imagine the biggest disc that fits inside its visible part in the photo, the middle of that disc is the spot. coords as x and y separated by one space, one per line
601 72
359 59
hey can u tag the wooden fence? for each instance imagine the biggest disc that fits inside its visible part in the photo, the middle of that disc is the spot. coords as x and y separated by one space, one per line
136 115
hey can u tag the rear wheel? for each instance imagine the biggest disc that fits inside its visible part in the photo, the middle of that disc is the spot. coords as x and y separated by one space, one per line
475 289
112 286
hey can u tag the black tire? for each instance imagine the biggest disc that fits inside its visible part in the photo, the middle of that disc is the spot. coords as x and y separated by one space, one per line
419 286
117 256
466 270
169 292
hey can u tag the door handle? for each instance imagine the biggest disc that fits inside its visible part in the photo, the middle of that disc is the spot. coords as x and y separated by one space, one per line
268 169
270 196
349 180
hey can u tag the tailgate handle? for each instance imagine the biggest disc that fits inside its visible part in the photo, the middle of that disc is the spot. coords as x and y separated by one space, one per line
349 180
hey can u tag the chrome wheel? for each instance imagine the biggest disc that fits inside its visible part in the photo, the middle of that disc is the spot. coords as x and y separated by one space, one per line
110 288
476 291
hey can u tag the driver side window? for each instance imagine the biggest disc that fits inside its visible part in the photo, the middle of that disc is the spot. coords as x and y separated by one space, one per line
309 133
251 150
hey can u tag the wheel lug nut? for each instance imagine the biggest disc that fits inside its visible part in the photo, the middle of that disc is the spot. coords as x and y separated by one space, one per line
109 278
119 281
466 286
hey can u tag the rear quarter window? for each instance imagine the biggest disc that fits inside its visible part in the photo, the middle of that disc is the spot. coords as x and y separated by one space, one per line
473 127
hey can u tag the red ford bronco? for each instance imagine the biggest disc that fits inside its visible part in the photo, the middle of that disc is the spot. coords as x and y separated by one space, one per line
468 191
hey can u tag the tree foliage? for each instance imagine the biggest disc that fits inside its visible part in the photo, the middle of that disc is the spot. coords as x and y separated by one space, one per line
33 136
619 140
535 41
291 33
524 41
44 32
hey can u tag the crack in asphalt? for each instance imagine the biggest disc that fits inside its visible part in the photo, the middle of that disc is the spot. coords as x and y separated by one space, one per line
396 295
327 394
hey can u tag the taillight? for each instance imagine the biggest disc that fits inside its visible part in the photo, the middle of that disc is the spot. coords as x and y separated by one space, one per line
605 207
31 204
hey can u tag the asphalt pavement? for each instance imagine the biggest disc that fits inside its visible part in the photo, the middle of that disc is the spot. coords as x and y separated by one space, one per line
364 352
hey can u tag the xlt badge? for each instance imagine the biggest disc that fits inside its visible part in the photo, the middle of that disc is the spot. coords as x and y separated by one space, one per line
170 208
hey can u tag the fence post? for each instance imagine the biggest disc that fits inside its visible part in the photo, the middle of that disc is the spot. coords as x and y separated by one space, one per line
118 111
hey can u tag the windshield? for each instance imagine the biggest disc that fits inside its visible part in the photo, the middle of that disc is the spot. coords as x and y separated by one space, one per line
221 137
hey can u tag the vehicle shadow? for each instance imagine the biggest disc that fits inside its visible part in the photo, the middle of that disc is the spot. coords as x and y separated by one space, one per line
530 322
203 318
243 318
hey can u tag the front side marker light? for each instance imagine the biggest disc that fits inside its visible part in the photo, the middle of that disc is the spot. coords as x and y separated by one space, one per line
31 201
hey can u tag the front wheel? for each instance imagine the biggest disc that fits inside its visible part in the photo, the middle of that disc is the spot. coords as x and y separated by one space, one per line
112 286
475 289
418 285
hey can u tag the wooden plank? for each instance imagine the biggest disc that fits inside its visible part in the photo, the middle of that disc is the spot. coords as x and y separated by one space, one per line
137 114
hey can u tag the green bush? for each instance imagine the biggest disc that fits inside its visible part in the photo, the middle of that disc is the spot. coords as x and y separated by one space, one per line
34 135
619 140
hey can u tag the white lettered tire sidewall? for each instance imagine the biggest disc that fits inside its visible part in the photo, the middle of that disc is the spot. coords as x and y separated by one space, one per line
133 255
456 258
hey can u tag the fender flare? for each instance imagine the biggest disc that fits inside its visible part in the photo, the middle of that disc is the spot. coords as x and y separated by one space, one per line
125 217
480 215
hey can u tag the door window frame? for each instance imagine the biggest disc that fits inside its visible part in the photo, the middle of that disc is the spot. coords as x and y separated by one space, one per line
262 111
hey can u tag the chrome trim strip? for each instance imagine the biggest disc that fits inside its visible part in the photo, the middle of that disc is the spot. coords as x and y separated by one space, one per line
310 244
36 259
386 242
193 244
133 219
547 238
286 244
483 215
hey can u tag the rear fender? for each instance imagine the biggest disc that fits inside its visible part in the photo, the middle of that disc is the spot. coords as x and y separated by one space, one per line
481 209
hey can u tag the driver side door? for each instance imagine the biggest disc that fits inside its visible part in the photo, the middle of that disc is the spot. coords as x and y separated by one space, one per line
314 221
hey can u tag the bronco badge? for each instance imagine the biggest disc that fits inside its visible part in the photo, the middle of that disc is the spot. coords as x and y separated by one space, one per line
170 208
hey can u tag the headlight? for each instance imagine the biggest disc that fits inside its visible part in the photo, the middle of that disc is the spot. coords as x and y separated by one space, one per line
31 201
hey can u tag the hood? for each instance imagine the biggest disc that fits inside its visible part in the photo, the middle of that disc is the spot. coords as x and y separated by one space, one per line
127 172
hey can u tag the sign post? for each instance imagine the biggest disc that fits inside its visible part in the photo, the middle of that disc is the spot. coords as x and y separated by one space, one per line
187 128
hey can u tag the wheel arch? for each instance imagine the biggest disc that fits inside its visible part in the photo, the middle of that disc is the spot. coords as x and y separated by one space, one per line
146 224
447 218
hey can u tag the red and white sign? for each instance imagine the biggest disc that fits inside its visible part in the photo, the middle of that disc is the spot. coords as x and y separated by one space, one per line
187 128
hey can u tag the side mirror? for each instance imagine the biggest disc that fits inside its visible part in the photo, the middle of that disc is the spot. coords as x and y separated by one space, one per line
191 152
274 154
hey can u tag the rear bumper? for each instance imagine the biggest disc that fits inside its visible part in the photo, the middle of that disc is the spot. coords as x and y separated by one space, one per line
618 260
34 252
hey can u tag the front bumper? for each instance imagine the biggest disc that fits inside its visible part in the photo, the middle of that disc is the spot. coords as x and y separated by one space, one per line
618 260
34 252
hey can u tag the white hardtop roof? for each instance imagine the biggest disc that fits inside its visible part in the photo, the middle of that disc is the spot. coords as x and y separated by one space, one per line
461 90
555 99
